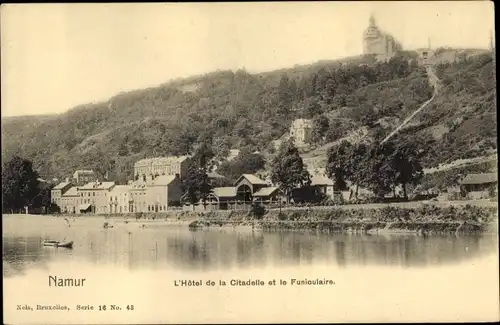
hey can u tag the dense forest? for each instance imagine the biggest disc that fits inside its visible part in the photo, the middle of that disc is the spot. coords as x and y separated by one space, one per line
248 111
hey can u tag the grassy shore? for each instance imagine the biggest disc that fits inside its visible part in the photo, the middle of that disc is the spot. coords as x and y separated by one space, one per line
422 218
426 219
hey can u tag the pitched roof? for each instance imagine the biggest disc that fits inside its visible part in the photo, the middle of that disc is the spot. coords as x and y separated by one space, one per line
120 188
266 191
83 171
224 191
97 186
78 173
480 179
60 186
160 160
252 179
319 179
162 180
106 185
138 184
73 191
215 175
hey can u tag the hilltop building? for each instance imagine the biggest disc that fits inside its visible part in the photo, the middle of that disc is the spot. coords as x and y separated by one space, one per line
301 131
376 42
426 56
83 176
159 166
233 153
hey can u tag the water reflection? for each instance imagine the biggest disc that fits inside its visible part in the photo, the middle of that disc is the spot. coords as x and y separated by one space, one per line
177 247
21 253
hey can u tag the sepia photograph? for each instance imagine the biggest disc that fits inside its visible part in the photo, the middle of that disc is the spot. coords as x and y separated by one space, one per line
253 162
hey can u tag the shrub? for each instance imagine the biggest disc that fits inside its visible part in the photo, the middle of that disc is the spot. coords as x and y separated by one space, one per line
257 210
282 216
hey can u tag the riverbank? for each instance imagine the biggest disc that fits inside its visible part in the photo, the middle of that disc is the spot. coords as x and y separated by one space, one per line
427 219
381 218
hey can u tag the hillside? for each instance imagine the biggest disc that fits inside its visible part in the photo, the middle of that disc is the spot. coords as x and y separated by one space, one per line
243 110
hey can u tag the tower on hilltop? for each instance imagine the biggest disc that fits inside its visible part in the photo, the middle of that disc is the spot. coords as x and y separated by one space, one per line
378 43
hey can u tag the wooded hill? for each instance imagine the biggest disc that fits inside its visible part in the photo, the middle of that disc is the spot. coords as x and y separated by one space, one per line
248 111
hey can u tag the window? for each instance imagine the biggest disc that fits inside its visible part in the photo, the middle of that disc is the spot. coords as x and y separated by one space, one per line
93 193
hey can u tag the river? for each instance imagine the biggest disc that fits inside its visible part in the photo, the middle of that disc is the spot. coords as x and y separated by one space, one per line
372 278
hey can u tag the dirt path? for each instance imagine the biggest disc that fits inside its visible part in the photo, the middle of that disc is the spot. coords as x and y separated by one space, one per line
461 163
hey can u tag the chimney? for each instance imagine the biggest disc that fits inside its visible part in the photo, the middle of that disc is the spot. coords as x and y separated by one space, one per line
67 179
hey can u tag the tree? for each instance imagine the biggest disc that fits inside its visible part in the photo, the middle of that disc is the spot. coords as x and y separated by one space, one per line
358 171
19 184
381 173
368 117
288 170
312 108
191 185
336 130
257 210
321 125
203 155
221 148
42 199
284 96
338 168
205 188
197 184
380 167
245 163
406 162
122 150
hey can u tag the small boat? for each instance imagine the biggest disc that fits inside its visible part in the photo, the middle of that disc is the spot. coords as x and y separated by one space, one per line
107 225
55 243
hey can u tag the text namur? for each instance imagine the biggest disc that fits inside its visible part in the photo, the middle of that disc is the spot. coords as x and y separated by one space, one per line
55 281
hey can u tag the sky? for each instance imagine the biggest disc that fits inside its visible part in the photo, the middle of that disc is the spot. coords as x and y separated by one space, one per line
57 56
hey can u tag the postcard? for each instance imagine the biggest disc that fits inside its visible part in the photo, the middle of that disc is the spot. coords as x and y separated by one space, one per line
255 162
